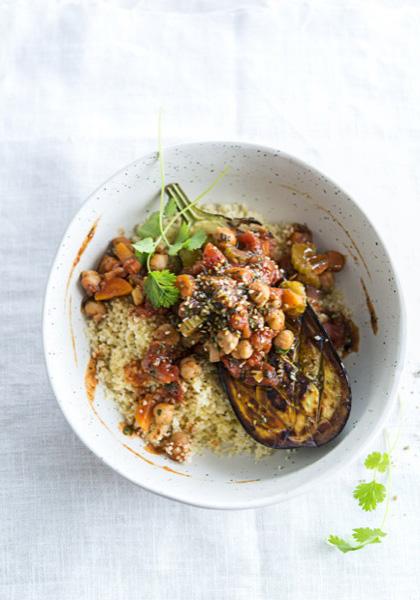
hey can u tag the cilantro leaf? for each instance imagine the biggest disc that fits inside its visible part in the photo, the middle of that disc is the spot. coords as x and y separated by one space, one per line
142 256
150 227
377 461
184 241
171 208
366 535
160 288
196 240
362 535
146 245
369 494
341 544
183 232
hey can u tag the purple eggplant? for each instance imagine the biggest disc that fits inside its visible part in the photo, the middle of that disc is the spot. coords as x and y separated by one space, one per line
310 405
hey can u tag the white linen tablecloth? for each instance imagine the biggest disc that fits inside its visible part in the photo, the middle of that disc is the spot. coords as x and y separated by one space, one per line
335 83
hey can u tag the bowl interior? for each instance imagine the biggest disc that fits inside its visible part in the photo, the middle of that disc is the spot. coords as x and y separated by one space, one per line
281 189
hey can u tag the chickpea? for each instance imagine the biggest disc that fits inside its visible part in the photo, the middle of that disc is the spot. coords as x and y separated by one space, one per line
158 262
225 235
185 284
108 263
275 319
163 413
95 310
168 334
189 368
284 340
178 446
243 351
259 292
90 281
227 341
137 295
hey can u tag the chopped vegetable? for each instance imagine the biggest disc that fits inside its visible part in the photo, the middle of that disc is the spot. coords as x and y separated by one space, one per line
114 288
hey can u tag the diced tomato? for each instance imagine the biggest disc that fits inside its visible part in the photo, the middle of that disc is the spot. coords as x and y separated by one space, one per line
212 256
135 376
157 362
249 241
255 360
146 310
261 340
266 247
165 372
170 392
239 322
270 271
232 365
243 274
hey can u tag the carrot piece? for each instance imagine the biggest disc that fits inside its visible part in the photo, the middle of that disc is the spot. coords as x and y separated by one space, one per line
123 251
144 412
113 288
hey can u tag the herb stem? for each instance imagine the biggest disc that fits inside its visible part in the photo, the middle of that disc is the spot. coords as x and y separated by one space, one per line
388 481
184 210
162 181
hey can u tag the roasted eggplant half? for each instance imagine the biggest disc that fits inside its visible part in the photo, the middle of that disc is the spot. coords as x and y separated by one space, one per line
310 405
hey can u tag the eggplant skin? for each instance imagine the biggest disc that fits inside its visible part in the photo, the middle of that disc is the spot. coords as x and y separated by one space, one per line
311 412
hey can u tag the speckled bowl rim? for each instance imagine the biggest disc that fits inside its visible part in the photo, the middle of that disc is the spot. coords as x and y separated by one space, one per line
316 479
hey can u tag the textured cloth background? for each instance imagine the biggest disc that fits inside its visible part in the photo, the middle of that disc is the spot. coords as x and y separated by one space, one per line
335 83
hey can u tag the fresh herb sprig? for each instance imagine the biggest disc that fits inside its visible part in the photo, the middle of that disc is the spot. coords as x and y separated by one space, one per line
369 495
160 286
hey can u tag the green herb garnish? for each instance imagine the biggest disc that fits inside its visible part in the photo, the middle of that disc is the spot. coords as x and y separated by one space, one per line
362 536
369 495
160 288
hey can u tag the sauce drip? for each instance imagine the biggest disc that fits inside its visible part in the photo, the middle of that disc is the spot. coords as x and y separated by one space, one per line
371 309
82 248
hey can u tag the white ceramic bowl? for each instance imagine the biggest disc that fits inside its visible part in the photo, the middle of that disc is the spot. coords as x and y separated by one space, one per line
282 188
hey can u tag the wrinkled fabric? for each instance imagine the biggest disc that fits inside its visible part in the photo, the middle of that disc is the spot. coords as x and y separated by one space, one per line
335 83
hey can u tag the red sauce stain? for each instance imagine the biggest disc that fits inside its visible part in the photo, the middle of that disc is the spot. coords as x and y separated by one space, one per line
73 340
82 248
91 380
371 308
149 462
246 480
176 472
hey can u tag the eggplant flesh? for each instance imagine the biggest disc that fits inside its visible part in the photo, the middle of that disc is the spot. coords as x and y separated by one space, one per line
312 402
